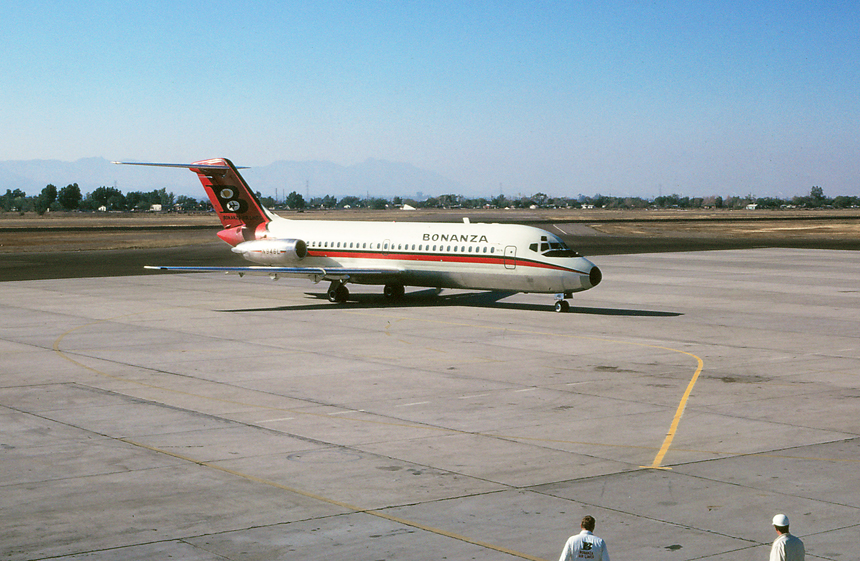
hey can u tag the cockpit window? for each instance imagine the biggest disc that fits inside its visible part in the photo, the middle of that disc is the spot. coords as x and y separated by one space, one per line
553 247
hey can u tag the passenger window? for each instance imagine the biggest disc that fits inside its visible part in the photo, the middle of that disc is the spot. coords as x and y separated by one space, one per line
449 248
485 249
492 250
455 249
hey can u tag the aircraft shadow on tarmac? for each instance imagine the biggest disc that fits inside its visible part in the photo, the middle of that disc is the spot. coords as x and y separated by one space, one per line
428 298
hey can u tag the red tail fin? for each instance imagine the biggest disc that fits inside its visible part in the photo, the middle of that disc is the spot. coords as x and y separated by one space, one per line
240 211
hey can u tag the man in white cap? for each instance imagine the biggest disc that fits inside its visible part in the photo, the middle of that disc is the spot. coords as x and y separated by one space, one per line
785 547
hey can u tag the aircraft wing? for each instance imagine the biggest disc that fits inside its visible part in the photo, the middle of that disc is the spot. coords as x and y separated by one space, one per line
314 273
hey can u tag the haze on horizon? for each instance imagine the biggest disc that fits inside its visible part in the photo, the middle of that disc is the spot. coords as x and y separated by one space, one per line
623 99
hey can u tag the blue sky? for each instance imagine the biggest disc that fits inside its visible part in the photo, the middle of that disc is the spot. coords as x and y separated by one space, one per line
626 98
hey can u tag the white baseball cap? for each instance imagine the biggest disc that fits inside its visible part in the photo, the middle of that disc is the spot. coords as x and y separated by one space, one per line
780 520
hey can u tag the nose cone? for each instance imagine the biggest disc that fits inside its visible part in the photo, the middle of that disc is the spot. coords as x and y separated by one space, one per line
587 275
595 276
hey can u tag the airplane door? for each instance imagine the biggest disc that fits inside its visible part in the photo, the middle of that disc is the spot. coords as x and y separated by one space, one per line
511 257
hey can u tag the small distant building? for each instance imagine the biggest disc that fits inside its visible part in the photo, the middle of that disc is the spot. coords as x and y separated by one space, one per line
155 208
752 206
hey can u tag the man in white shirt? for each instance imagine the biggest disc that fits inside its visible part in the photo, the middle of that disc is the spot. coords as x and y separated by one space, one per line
785 547
585 545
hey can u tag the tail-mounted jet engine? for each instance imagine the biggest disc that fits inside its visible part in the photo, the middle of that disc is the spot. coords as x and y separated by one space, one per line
272 252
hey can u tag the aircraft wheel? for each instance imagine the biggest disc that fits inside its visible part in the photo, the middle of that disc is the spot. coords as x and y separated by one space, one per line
338 293
562 306
393 291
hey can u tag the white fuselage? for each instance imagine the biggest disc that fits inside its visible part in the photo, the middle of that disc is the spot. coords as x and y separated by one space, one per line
458 255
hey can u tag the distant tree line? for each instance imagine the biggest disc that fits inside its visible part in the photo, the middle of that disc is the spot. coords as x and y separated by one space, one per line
815 199
69 198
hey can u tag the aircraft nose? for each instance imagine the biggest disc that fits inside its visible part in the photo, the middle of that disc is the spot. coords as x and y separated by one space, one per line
595 276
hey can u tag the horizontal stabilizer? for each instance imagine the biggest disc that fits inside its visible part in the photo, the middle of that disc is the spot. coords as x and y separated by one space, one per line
186 166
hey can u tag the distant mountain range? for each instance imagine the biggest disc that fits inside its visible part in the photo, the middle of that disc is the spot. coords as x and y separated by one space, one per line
376 178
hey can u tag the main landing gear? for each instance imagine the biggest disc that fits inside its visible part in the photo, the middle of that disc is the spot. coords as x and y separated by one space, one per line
337 292
561 303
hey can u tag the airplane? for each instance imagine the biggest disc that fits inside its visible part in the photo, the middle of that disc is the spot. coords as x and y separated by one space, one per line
477 256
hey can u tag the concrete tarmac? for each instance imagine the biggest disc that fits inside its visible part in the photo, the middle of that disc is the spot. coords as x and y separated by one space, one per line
683 402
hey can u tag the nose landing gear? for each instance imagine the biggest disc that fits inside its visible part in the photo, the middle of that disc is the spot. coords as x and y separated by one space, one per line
561 303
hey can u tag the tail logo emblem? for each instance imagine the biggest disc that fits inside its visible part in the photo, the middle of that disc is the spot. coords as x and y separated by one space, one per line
231 199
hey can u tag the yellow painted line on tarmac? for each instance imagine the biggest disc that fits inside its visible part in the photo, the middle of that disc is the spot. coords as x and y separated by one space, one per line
340 504
667 442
